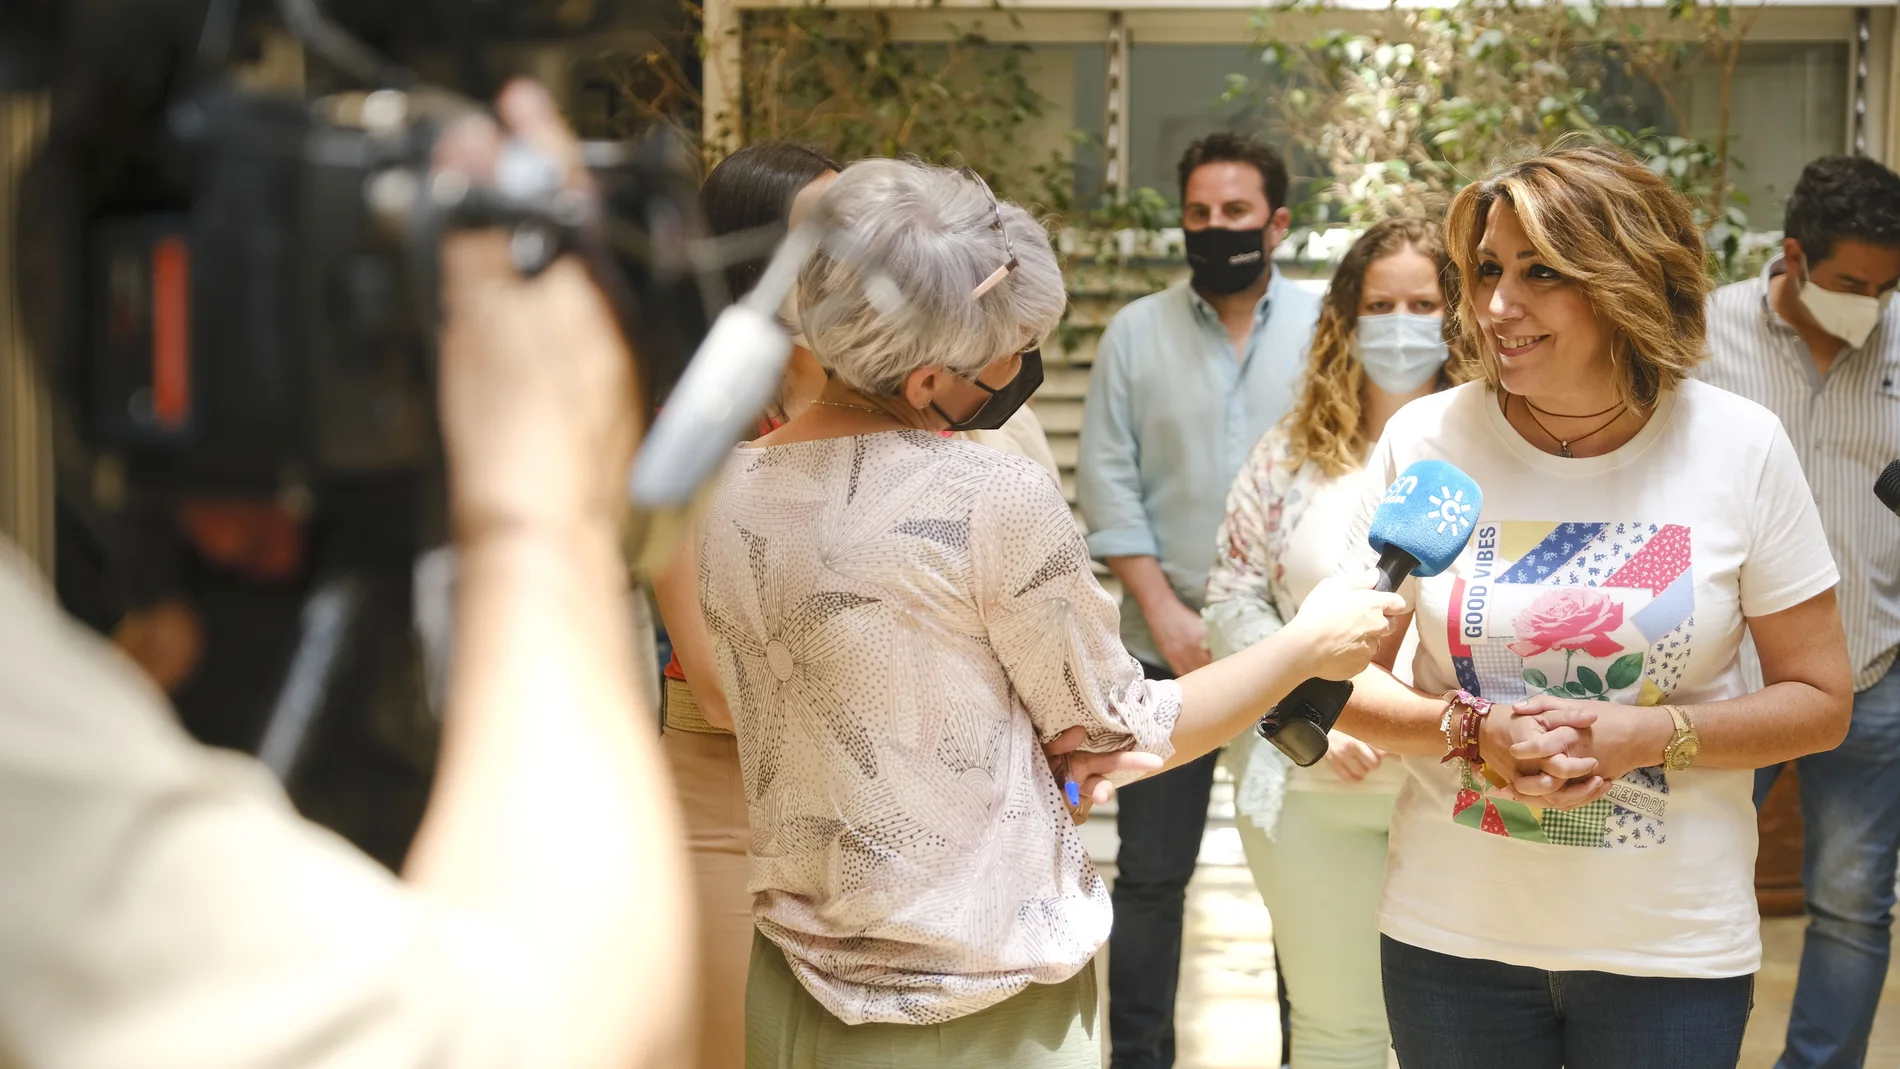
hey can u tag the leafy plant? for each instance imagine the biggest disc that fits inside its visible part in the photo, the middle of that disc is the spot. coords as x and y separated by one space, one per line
1715 37
1399 116
1402 115
842 80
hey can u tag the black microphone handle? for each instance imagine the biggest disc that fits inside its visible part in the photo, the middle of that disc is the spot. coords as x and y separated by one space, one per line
1394 565
1299 723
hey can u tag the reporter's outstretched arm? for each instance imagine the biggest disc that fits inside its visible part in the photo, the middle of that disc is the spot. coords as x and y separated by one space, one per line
552 817
1338 629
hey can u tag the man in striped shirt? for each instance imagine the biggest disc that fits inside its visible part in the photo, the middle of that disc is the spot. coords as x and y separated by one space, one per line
1816 338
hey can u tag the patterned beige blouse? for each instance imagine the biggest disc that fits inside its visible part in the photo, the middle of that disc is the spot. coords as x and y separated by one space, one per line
900 619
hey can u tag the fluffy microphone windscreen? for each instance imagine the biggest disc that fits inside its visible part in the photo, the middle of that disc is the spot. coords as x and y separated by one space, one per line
1887 487
1428 512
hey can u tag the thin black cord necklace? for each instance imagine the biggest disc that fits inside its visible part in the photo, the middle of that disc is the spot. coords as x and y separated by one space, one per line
1563 444
1560 415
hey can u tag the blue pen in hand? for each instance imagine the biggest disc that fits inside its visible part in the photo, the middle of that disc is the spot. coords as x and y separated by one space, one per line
1071 790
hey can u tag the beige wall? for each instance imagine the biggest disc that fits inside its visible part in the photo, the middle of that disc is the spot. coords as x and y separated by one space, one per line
1886 68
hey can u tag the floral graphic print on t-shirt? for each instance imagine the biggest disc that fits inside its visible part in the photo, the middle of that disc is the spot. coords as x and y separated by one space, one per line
1587 611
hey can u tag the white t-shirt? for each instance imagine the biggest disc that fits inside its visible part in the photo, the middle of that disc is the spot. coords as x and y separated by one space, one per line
1625 577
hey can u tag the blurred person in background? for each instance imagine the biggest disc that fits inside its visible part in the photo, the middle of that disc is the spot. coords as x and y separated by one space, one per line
165 906
764 184
901 623
1316 837
1185 382
1816 340
771 184
1570 879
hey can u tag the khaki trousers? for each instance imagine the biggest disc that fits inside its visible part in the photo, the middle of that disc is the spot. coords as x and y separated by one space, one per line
1045 1026
705 771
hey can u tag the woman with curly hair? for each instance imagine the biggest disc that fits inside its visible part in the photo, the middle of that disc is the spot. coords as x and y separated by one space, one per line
1571 871
1316 838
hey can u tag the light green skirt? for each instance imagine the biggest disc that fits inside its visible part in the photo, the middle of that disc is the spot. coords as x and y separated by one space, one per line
1046 1026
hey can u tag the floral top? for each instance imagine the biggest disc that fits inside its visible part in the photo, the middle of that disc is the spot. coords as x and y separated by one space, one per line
1247 595
1282 534
900 620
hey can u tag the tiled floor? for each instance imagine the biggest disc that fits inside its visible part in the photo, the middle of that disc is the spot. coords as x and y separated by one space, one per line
1227 1016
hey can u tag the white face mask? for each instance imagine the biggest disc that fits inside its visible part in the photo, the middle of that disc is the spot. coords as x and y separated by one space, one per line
1400 351
1848 316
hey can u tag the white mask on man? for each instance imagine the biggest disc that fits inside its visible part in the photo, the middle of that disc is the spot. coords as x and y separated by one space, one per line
1400 351
1848 316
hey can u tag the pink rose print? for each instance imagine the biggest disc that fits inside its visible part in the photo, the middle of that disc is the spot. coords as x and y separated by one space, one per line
1575 618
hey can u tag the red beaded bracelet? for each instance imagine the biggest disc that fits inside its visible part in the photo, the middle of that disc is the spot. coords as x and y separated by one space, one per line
1464 715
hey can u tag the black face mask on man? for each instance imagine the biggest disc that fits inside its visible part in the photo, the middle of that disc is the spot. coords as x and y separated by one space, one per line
1003 401
1226 261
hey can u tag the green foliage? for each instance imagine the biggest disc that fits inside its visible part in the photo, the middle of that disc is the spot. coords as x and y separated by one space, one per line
839 79
1692 167
1391 118
1106 247
1400 116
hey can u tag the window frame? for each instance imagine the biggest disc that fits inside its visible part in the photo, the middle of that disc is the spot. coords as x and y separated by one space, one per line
1225 21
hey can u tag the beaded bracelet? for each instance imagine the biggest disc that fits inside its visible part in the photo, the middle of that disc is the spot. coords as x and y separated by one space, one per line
1464 716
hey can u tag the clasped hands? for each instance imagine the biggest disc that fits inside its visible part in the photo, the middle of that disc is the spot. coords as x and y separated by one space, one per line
1561 753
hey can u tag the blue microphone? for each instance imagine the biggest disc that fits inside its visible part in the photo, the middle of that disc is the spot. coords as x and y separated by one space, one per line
1422 524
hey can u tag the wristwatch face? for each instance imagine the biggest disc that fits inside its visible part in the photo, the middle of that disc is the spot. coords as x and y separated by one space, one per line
1682 753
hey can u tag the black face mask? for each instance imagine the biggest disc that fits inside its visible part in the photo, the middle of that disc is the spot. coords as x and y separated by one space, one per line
1226 261
1003 402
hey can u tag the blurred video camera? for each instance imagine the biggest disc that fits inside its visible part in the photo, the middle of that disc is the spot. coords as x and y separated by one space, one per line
235 287
227 267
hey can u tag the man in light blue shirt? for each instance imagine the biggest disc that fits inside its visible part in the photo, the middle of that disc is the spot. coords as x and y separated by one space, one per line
1184 383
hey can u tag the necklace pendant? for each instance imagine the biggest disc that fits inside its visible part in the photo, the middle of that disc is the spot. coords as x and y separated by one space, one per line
1563 449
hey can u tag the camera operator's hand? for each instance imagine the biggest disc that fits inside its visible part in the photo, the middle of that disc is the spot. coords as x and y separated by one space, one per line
537 386
552 814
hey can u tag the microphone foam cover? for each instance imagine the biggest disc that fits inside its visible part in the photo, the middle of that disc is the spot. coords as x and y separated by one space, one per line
1428 512
1887 487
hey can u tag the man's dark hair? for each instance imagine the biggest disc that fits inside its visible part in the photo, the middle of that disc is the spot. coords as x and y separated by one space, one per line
1843 197
1238 148
754 187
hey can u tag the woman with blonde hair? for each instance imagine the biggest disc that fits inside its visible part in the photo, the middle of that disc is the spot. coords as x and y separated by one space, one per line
1570 876
1316 838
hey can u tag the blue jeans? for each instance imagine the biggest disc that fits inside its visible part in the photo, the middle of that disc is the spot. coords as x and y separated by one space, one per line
1468 1013
1160 821
1850 804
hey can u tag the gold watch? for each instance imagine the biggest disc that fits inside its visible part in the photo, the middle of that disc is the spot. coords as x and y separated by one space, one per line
1685 746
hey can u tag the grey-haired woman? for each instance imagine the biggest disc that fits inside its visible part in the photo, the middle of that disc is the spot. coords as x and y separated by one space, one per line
902 621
